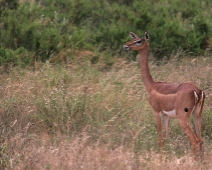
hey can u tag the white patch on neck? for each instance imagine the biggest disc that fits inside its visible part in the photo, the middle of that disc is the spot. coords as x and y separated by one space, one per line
170 113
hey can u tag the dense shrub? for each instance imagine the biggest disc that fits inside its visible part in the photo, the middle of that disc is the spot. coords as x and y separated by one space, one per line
8 4
52 25
19 57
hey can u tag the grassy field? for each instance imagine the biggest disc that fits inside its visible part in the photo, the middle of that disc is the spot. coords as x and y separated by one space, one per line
76 116
72 98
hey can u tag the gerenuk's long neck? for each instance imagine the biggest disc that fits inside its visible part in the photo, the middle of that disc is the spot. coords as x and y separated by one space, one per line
146 76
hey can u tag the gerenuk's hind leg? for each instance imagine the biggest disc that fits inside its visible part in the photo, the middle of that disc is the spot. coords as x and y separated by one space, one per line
197 114
184 120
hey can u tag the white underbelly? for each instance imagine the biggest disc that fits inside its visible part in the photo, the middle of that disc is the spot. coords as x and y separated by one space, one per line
170 113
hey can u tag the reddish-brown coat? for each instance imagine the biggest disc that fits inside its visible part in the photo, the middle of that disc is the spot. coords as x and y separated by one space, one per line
166 97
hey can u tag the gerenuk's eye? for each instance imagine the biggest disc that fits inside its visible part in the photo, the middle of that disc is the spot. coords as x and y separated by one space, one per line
138 42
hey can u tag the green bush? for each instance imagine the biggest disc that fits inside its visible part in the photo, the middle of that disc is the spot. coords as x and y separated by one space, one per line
8 4
19 57
48 27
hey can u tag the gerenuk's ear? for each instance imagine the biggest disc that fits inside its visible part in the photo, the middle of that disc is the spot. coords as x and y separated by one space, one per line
147 36
132 35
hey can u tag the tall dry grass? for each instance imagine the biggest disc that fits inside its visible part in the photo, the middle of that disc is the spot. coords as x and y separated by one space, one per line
78 155
80 117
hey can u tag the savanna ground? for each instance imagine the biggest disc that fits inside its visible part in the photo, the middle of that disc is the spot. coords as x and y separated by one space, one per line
71 98
76 116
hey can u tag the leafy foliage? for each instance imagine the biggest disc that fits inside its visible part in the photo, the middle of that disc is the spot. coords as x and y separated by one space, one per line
8 4
48 27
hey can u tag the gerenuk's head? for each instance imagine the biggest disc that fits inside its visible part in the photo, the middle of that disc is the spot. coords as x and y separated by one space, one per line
137 43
